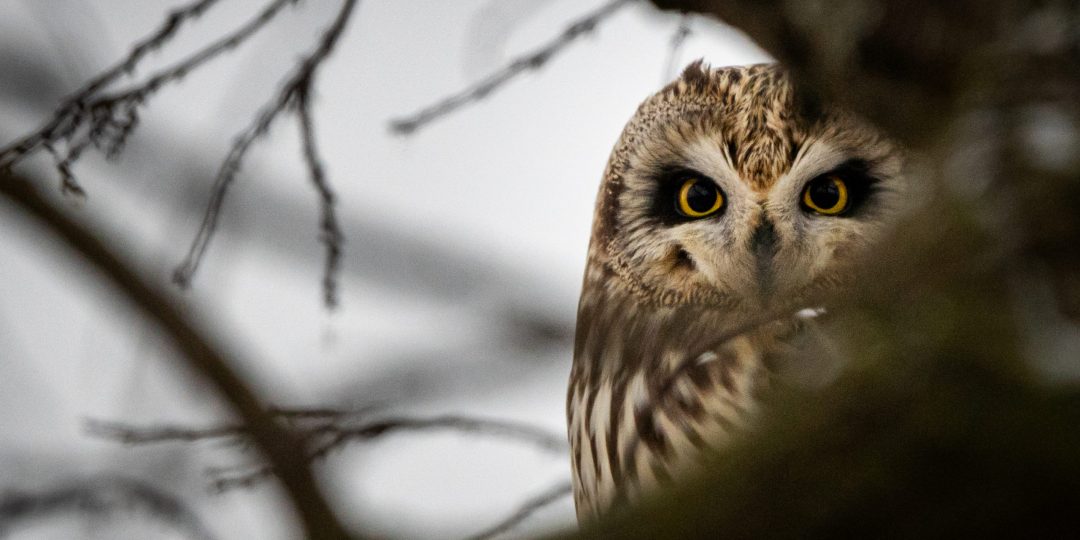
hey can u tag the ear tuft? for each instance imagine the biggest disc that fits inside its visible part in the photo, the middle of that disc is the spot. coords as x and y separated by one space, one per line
696 74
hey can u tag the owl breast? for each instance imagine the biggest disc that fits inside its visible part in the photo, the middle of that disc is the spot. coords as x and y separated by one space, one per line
642 412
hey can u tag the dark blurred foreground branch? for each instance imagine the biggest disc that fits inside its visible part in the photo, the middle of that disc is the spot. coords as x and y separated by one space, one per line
534 60
279 446
101 498
940 427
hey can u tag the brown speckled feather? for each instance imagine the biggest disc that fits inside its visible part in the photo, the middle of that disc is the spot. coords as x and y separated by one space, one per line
674 338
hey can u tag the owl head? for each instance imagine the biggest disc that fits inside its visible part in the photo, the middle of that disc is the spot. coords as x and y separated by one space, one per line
727 189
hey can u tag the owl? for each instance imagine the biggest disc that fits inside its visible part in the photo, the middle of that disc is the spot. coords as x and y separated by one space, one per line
730 210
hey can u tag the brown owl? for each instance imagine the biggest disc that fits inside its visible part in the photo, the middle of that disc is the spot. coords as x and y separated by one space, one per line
728 209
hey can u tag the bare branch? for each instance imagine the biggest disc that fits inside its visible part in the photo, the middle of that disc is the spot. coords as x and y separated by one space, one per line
295 91
330 232
105 122
76 102
127 435
531 61
177 17
333 426
102 497
335 436
538 437
68 184
193 62
278 444
328 431
526 510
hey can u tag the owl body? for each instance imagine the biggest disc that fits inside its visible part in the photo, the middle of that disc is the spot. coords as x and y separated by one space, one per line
727 206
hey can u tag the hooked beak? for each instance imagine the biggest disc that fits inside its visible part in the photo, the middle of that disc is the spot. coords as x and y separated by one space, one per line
763 247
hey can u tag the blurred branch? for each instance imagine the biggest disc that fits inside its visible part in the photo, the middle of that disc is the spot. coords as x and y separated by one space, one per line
531 61
295 93
526 510
330 234
516 431
675 47
325 431
279 445
335 425
105 121
100 497
130 435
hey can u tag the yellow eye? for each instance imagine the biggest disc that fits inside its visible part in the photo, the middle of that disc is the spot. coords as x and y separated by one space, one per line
827 195
699 198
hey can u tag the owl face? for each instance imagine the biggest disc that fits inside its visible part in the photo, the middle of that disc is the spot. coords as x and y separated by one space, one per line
723 190
726 203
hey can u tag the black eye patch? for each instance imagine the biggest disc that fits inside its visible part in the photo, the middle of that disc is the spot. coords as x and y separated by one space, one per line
684 195
857 184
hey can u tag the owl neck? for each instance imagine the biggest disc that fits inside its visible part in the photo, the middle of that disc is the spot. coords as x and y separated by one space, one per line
625 328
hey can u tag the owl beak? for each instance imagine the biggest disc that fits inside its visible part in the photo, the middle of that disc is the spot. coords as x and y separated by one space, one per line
763 247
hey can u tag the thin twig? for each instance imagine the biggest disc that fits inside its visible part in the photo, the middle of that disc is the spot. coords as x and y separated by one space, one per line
675 46
329 231
327 431
106 121
68 184
75 103
295 90
280 446
122 433
177 17
127 434
337 433
538 437
200 57
531 61
526 510
337 436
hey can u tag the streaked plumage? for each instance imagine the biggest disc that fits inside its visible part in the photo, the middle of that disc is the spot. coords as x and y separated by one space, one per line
677 336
